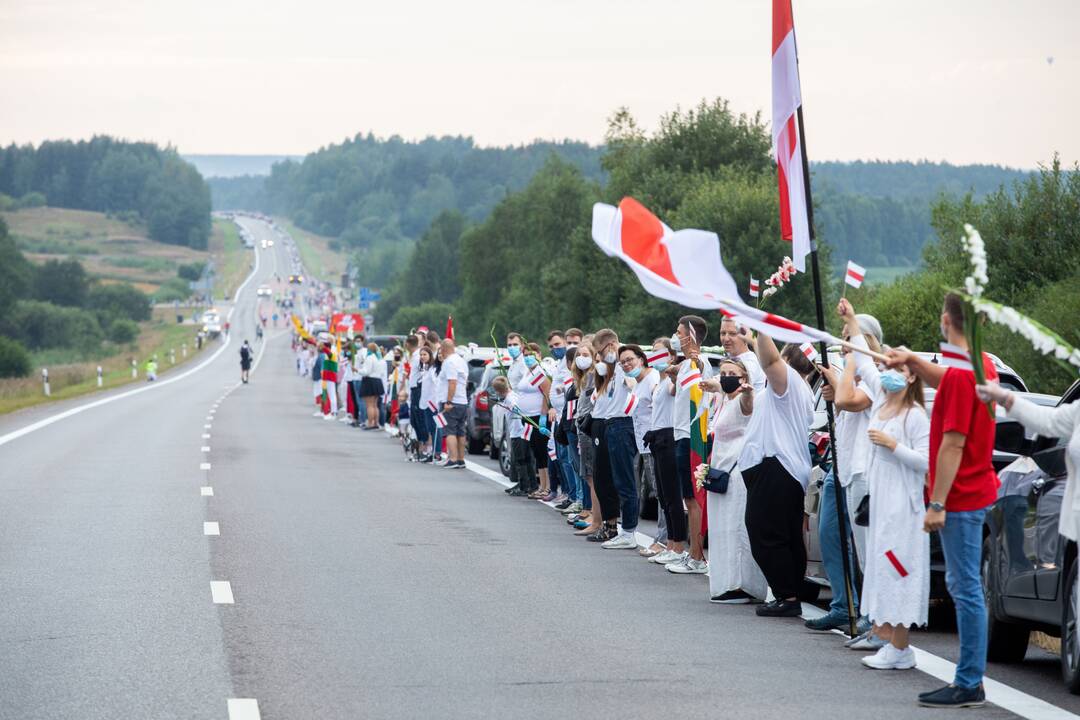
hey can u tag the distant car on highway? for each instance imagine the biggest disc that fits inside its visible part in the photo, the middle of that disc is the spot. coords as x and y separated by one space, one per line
211 323
264 291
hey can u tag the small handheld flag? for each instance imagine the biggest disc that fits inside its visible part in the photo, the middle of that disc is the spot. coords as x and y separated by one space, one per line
655 356
432 406
552 454
570 407
809 351
440 420
537 378
690 380
755 287
527 431
956 357
855 274
631 404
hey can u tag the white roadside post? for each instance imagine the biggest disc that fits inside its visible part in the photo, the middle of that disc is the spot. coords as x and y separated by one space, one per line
45 381
183 350
134 370
99 380
172 356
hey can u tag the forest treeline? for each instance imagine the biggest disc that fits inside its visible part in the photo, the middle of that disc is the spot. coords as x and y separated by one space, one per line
135 181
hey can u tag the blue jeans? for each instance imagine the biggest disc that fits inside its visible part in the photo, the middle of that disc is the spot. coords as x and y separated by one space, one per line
961 541
434 431
622 450
571 482
831 557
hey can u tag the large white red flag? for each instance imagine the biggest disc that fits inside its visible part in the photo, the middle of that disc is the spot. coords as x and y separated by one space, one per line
684 266
787 144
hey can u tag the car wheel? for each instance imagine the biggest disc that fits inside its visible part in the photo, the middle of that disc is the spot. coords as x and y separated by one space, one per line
504 454
493 449
1005 642
1070 639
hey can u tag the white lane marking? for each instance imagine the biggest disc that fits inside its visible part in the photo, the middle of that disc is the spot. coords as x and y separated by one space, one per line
206 436
204 466
45 422
244 709
221 592
206 491
205 448
1000 694
207 426
210 528
495 477
209 417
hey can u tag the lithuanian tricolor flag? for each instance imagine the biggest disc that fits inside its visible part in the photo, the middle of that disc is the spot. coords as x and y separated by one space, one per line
699 432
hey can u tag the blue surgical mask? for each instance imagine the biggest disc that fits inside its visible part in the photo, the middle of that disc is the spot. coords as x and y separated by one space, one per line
514 351
892 381
676 343
530 361
633 373
660 365
558 353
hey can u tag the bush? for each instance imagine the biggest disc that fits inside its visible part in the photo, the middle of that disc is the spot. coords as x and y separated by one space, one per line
191 271
119 300
432 314
39 325
173 289
123 331
14 360
32 200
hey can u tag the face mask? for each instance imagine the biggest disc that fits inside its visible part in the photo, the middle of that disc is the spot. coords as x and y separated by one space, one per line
676 343
514 351
892 381
571 345
558 353
583 362
530 361
611 357
601 369
730 383
633 373
660 365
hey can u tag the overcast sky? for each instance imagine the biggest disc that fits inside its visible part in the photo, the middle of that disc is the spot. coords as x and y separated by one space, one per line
957 80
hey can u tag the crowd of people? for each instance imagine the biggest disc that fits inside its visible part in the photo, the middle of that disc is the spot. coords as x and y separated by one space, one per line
594 422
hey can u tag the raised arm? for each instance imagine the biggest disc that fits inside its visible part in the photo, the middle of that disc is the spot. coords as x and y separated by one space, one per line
1059 422
931 373
772 364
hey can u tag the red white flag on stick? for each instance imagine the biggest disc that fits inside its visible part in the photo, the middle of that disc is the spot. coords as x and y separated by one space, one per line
690 380
855 274
895 566
527 431
809 351
440 420
571 405
656 356
787 143
956 357
449 327
432 406
684 267
631 404
537 378
755 287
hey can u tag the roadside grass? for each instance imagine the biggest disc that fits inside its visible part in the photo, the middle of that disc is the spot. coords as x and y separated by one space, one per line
110 249
71 375
231 261
315 251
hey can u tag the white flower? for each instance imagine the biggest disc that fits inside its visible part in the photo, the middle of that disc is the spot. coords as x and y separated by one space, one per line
768 291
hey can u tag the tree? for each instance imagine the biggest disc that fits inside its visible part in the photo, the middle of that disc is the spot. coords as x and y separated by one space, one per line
14 360
62 282
119 300
16 273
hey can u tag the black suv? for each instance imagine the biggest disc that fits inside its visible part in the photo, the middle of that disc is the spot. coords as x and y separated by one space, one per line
1029 570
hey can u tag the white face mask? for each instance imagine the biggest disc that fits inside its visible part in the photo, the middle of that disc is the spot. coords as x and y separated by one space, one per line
601 369
584 362
610 358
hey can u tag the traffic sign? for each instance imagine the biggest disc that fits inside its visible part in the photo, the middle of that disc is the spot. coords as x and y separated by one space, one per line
365 305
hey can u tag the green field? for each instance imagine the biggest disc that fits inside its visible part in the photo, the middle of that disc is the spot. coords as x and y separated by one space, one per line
885 275
231 260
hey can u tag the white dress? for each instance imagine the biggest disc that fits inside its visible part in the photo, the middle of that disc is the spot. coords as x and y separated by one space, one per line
731 566
896 584
1059 422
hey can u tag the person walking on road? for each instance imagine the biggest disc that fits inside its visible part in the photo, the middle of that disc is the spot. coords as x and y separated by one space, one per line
245 362
452 394
963 485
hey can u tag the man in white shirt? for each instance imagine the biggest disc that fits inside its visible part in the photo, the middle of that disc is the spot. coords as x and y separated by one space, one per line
452 397
735 339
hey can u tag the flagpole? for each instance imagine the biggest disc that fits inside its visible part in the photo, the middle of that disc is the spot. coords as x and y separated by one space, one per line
841 514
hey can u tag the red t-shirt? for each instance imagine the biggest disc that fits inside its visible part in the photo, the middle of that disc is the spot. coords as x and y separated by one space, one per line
958 409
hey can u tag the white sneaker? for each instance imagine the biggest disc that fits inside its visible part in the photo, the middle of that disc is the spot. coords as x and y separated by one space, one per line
889 658
328 417
573 509
317 413
689 567
622 541
668 556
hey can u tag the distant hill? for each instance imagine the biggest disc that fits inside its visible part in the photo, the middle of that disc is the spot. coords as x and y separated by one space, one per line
227 166
903 180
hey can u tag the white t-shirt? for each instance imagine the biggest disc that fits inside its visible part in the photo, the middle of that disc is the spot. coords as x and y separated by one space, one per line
453 368
852 441
604 406
557 394
779 427
414 369
753 369
662 405
642 414
428 385
683 386
530 400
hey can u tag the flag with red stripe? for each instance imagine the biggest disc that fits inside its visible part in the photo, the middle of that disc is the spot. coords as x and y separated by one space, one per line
527 431
787 141
755 287
432 406
956 357
809 351
537 378
631 405
655 356
691 380
571 405
855 274
895 566
440 420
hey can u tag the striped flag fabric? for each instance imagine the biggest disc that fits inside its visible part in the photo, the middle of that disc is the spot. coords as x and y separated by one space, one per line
571 405
568 381
755 287
432 406
956 357
527 431
896 568
631 404
809 351
537 378
655 356
691 380
440 420
787 140
552 454
855 274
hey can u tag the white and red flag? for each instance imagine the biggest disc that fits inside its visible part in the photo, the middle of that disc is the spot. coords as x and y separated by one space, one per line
655 356
432 406
440 420
527 431
631 405
855 274
809 351
787 142
684 267
537 377
897 568
956 357
755 287
571 405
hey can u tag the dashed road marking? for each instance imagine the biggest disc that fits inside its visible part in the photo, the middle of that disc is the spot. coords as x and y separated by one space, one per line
206 491
204 466
206 436
244 709
221 592
205 448
207 426
211 528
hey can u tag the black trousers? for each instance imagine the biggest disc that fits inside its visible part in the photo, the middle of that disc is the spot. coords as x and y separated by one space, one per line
667 484
603 481
774 521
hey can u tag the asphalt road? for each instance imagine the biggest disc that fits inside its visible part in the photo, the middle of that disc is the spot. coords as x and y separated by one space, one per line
363 586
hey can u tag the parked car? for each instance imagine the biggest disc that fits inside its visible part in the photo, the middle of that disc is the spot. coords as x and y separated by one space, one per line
478 419
1029 570
264 291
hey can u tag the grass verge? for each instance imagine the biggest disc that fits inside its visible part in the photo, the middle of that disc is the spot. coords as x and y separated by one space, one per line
318 258
231 261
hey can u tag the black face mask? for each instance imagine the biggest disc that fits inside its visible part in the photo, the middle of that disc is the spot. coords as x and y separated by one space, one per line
730 383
